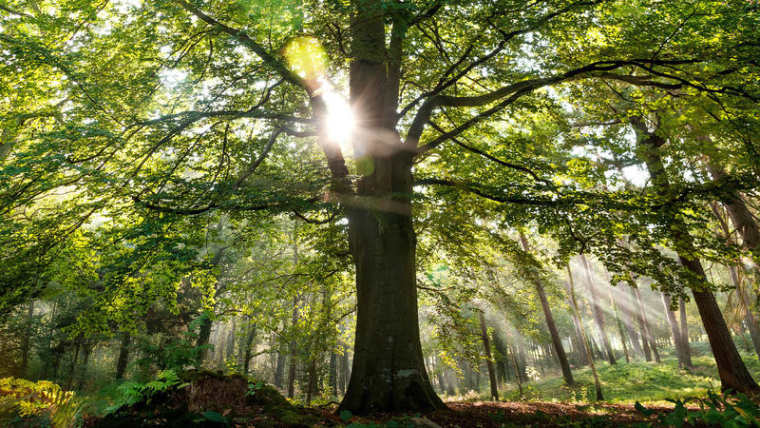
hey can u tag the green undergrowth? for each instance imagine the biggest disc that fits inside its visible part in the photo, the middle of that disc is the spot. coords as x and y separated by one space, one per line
628 383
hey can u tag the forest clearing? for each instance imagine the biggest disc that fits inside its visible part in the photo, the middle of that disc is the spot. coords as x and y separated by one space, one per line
379 213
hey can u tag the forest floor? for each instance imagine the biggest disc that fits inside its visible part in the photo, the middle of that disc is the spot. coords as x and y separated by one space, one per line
207 399
490 414
214 399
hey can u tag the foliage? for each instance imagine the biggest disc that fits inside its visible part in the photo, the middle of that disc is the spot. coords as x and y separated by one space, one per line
31 404
628 383
131 392
727 410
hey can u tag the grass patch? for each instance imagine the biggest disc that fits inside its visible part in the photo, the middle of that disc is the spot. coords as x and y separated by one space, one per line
627 383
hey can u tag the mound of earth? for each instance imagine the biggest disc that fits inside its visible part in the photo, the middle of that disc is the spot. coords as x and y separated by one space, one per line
208 399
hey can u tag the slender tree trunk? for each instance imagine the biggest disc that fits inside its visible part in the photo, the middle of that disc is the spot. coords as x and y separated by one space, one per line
621 331
204 333
584 338
83 369
641 319
740 215
333 375
73 366
501 355
489 358
629 317
247 354
25 339
279 371
685 333
731 369
293 354
597 311
674 330
230 351
749 317
123 359
311 385
567 374
583 355
647 327
516 365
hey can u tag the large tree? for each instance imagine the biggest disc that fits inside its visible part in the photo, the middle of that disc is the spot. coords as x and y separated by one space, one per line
181 107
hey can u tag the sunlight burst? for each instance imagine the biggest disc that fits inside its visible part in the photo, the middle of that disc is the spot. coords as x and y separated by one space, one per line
340 121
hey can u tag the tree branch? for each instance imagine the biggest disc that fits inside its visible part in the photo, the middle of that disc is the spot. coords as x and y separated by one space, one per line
247 41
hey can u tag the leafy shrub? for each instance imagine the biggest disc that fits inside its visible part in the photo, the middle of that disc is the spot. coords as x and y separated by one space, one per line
24 403
134 392
715 410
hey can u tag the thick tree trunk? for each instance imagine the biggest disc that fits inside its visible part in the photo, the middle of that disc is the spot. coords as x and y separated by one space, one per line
489 358
123 359
388 371
556 340
731 369
597 311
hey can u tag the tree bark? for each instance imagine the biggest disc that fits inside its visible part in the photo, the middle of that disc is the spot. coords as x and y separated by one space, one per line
489 358
731 369
751 321
388 369
597 311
